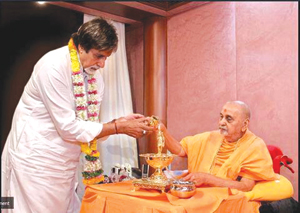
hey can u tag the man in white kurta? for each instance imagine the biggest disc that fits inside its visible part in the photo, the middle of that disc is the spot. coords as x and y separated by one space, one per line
42 149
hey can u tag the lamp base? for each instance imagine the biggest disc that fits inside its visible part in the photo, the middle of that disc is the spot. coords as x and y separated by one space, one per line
148 183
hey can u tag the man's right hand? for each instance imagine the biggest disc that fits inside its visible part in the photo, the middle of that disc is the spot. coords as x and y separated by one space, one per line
171 143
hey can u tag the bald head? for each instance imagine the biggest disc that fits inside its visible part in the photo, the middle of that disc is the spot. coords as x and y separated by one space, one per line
244 109
234 120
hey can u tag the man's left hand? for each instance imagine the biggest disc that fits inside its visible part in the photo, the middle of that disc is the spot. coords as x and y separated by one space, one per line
130 117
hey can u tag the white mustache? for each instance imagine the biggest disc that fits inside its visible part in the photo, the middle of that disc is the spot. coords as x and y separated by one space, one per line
94 67
92 70
223 128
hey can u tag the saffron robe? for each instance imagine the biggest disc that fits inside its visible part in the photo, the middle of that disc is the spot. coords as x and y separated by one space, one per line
42 150
250 159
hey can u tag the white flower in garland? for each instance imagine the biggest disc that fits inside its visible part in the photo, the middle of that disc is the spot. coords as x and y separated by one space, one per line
82 115
93 108
79 90
92 166
92 87
80 101
77 79
93 97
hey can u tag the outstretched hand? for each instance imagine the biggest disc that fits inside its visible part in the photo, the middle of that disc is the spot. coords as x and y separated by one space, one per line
133 116
130 117
136 126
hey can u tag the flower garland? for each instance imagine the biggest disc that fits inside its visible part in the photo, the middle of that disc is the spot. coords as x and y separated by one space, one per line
86 109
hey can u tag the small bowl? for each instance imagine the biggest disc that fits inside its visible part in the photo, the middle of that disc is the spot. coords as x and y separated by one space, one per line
182 189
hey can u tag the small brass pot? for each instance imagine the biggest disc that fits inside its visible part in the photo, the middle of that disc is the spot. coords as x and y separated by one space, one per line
182 189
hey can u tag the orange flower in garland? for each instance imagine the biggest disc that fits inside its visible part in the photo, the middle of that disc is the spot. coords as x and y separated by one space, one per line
86 109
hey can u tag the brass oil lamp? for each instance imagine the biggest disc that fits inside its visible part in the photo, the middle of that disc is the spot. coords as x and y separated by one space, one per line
158 161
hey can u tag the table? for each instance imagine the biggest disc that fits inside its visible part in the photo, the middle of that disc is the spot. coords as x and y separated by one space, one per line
120 197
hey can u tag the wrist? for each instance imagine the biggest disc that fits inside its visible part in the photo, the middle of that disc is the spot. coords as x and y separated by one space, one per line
118 127
209 179
114 122
162 127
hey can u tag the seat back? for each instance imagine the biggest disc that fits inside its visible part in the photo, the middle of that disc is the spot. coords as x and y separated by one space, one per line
279 159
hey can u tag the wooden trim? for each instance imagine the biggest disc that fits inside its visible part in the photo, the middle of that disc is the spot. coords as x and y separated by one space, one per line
186 7
173 10
143 7
94 12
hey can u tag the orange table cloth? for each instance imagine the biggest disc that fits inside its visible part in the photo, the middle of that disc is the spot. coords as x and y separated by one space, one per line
121 197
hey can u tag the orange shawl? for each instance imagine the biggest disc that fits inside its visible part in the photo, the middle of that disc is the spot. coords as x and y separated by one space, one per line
251 159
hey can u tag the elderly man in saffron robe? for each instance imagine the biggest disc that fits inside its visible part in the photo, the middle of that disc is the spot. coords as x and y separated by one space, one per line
230 157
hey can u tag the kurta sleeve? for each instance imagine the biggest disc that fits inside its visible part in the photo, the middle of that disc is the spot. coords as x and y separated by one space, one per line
55 91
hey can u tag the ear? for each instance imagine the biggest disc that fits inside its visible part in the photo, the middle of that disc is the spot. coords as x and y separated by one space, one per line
80 49
245 125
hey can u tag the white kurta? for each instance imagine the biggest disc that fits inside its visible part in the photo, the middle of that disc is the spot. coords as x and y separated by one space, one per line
42 150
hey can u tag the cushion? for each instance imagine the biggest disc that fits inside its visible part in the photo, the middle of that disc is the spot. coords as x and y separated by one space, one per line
271 190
